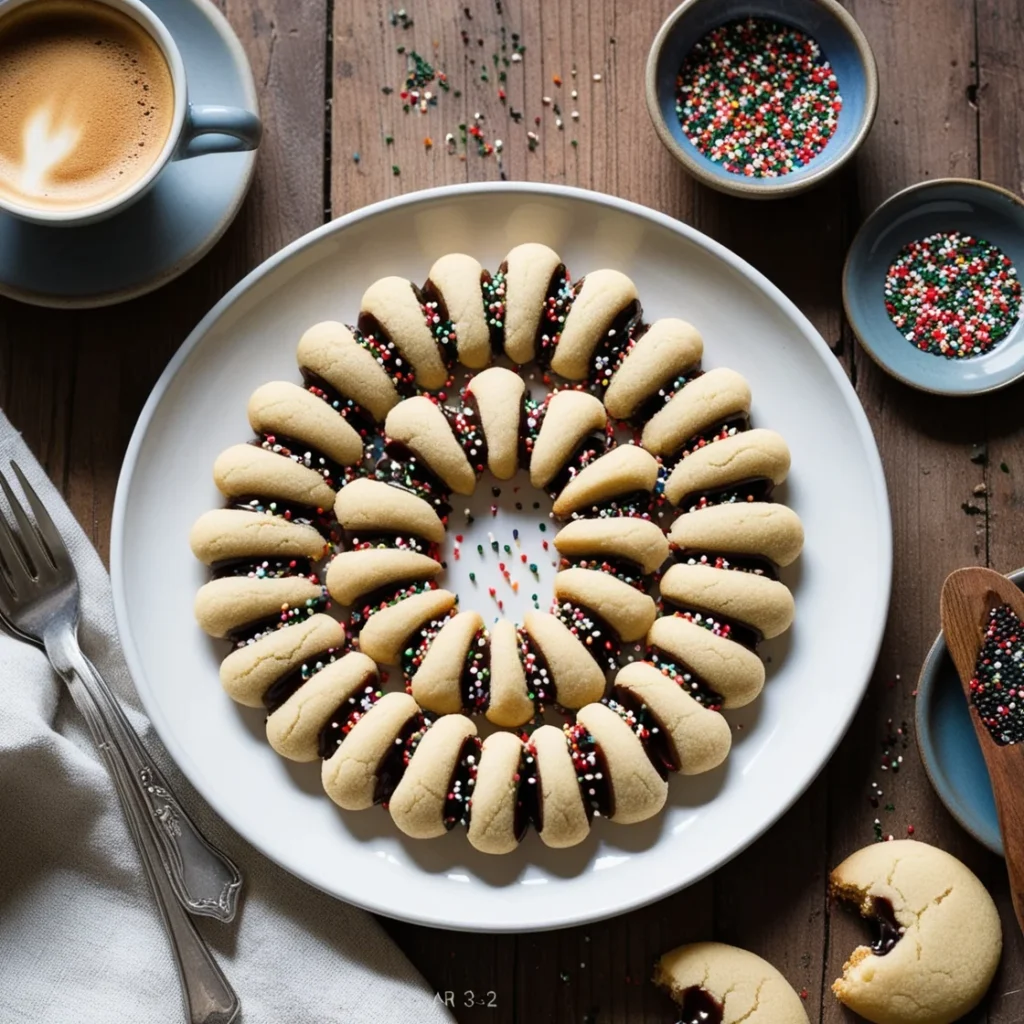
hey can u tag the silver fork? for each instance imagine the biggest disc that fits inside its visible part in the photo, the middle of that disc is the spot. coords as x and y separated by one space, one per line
39 601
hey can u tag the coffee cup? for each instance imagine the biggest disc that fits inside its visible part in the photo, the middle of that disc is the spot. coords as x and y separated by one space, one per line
94 107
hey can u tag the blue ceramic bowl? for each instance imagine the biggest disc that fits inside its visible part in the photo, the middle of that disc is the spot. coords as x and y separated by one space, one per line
949 747
843 45
946 204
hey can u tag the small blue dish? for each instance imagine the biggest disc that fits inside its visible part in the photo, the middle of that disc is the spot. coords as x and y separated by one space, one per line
842 43
946 204
949 747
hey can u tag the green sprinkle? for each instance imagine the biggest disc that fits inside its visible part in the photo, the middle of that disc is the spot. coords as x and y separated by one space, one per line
472 577
395 170
479 549
543 527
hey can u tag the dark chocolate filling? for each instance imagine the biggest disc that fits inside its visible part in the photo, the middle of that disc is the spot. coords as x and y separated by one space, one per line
417 644
337 727
460 785
756 564
242 634
755 489
741 632
557 303
667 389
496 315
401 468
540 683
265 568
392 765
591 772
528 796
657 743
588 451
592 630
529 410
284 687
387 353
358 540
375 600
608 352
360 419
303 454
885 927
633 503
699 1006
293 511
621 568
469 432
475 681
695 686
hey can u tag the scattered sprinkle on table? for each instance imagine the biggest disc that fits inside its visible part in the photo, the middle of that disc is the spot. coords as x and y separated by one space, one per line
999 677
758 98
953 295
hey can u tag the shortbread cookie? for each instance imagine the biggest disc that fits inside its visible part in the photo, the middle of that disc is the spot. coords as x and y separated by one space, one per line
390 311
296 726
758 603
419 424
563 819
249 672
638 792
605 300
456 279
496 825
621 471
665 351
628 611
714 982
529 270
352 574
329 351
510 705
753 458
569 418
576 676
228 534
498 394
710 399
231 605
283 408
350 776
245 469
385 634
690 738
418 804
437 682
700 661
371 506
625 537
757 528
938 934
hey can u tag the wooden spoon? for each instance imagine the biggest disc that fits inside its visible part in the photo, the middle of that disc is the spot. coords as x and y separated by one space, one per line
968 595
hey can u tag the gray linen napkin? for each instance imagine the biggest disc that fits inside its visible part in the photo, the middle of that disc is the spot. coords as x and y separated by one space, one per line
80 938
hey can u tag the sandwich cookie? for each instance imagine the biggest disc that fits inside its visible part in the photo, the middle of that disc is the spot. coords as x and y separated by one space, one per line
455 281
329 353
532 273
628 611
683 736
753 530
570 418
497 821
667 350
244 470
354 574
224 535
498 395
242 608
419 425
623 471
635 540
937 934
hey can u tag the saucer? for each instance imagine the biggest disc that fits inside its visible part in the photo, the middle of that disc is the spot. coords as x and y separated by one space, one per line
949 747
946 204
175 223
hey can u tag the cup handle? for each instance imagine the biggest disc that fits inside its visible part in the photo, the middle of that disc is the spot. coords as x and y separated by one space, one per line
211 128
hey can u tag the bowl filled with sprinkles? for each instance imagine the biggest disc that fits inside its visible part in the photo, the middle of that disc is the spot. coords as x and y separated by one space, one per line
932 286
761 99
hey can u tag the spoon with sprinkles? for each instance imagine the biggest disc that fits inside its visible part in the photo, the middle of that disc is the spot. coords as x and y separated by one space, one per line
983 623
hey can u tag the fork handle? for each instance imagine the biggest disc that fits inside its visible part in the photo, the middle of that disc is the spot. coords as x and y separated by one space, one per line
203 878
208 996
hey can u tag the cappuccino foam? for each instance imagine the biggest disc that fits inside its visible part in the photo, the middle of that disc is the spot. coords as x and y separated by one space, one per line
86 104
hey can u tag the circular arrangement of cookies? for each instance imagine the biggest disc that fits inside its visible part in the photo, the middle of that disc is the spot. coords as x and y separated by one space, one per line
669 541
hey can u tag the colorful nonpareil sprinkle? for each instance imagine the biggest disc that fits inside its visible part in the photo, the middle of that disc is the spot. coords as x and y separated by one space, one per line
999 677
758 98
952 294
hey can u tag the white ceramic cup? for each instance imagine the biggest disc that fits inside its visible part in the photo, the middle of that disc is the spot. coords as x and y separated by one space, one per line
195 129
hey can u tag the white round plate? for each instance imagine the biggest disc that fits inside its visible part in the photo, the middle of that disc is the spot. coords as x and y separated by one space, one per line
816 675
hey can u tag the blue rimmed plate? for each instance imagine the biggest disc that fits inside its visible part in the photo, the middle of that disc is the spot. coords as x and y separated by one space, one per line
947 204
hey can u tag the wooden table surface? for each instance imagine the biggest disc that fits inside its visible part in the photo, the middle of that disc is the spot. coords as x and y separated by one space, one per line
952 103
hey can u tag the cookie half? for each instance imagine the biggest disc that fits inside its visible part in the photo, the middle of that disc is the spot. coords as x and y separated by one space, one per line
604 308
563 819
391 312
498 394
353 574
705 402
419 424
629 538
371 506
938 935
570 417
628 611
351 776
388 629
496 824
760 529
455 279
622 471
437 682
510 705
419 804
576 676
748 602
712 981
710 667
295 728
666 350
244 470
686 737
529 269
233 606
248 673
227 535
